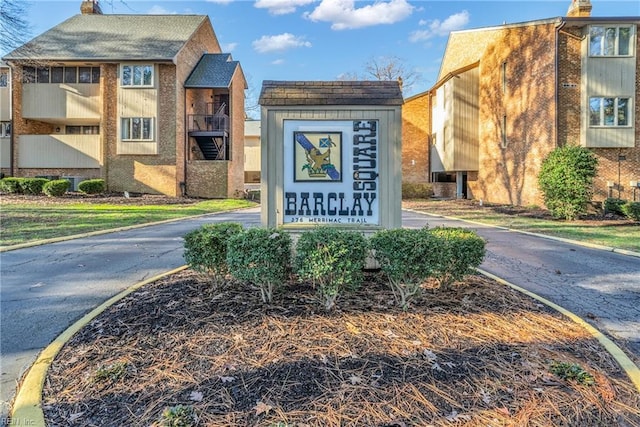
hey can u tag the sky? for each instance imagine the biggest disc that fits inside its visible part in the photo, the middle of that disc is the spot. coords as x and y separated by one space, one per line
330 39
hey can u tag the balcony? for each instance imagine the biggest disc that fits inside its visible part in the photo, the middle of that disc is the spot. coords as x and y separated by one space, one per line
208 124
61 102
59 151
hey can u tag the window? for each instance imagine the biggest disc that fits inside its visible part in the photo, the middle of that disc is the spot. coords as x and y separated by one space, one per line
68 75
137 129
504 141
5 129
82 130
4 78
29 75
604 111
137 75
610 40
57 74
42 74
504 77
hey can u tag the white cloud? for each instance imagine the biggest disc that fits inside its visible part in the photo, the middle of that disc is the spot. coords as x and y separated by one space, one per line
281 7
439 28
279 43
344 15
159 10
229 47
278 62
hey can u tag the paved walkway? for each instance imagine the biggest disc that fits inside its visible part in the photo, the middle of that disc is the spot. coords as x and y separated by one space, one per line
46 288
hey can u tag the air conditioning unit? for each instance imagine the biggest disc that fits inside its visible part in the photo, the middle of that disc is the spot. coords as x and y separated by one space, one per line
74 181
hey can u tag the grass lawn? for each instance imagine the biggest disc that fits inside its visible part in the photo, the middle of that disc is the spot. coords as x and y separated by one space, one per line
613 232
25 219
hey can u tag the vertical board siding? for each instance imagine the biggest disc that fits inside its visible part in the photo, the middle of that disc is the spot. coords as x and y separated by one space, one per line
5 152
61 101
59 151
608 77
465 121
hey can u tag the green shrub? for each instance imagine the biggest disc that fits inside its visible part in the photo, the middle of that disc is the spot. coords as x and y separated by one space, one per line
179 416
458 252
565 179
613 205
261 256
32 186
92 186
332 259
406 257
416 190
56 188
572 372
111 373
205 249
11 185
631 210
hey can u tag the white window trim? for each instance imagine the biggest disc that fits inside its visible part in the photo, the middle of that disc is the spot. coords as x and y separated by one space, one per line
630 117
132 85
617 46
151 129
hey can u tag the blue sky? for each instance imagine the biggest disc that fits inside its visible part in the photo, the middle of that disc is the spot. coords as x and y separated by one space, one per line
325 39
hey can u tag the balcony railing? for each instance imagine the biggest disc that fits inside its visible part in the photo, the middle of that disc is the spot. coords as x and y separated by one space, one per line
208 123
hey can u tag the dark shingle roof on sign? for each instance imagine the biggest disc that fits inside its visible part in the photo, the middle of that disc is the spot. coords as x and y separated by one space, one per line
112 37
300 93
214 70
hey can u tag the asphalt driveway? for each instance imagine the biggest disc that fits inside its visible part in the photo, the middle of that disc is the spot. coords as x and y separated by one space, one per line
46 288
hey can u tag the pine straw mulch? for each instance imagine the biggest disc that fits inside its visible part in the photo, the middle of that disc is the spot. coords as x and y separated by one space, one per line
478 355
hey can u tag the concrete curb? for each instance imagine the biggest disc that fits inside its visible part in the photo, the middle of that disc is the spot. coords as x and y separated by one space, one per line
110 230
27 406
632 371
529 233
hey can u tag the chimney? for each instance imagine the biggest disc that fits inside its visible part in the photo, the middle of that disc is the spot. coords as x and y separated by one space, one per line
90 7
579 8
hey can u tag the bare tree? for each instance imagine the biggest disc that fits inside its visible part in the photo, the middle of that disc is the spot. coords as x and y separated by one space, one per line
14 29
391 68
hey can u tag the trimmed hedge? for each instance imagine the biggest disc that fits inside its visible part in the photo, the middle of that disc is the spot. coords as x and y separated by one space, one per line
92 186
459 252
613 205
631 210
566 178
11 185
332 259
205 249
417 190
261 256
32 186
407 258
56 188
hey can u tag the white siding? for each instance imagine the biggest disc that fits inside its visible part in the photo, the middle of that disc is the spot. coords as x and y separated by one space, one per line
59 151
607 76
5 152
69 102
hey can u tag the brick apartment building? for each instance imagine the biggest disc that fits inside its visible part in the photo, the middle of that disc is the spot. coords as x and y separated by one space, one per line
506 96
147 102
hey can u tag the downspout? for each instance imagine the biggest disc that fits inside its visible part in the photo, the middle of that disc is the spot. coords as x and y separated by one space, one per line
556 78
11 137
185 133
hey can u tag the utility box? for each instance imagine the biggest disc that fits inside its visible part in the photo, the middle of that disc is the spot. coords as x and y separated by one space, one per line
331 154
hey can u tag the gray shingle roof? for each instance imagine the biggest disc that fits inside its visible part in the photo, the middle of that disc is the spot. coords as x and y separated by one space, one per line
112 37
285 93
214 70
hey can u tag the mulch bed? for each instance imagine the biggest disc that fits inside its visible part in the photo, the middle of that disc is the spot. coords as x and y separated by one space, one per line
477 355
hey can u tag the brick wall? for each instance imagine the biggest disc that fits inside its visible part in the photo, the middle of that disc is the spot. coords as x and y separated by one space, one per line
235 171
416 127
508 172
